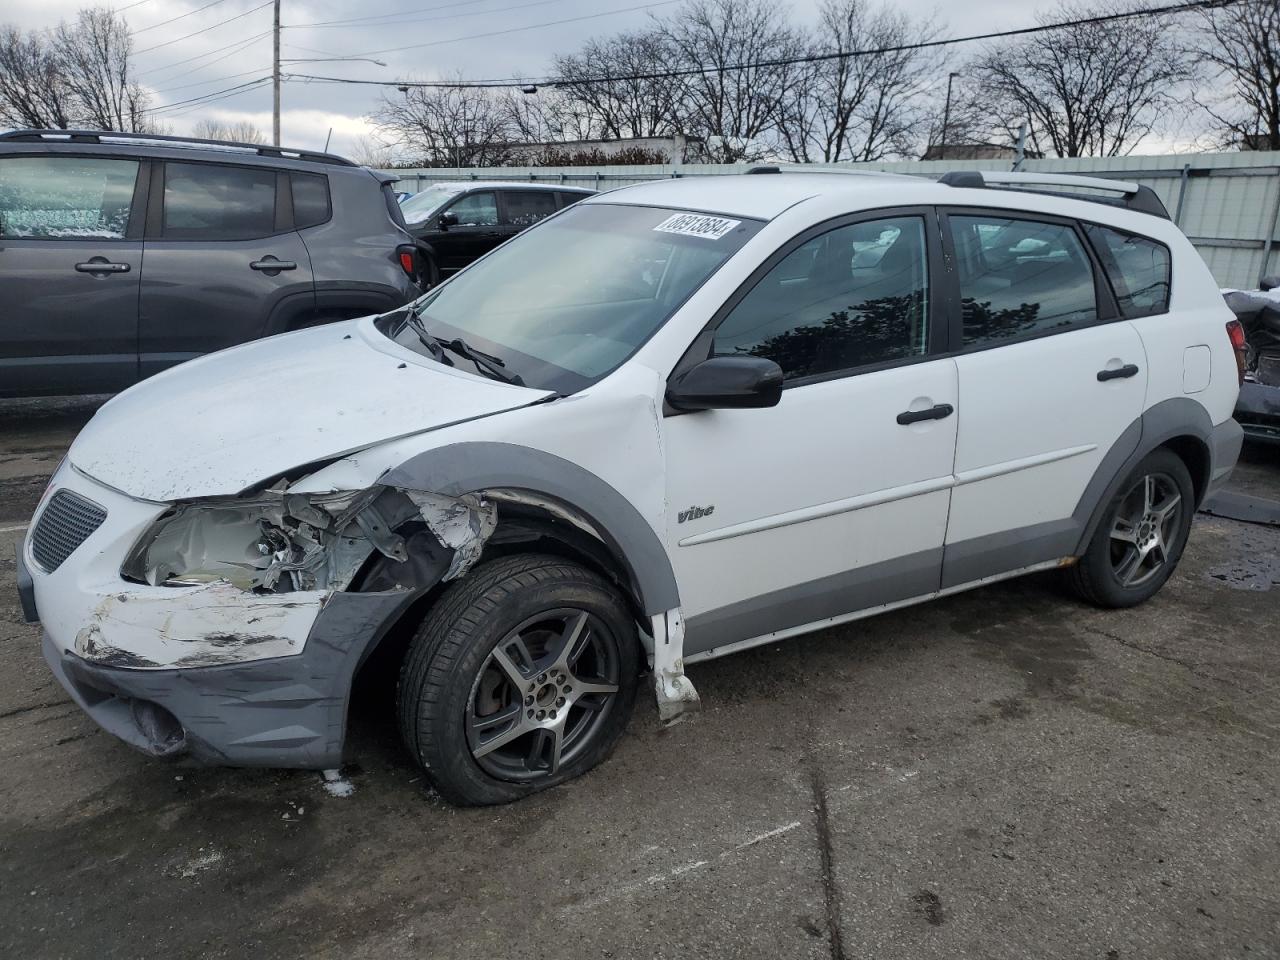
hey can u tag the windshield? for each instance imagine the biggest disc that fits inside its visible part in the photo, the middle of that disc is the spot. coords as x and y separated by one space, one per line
567 301
419 207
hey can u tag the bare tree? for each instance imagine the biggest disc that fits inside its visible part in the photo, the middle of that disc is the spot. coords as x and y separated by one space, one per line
863 107
32 90
240 131
735 110
1240 46
445 126
370 152
1090 90
93 58
646 106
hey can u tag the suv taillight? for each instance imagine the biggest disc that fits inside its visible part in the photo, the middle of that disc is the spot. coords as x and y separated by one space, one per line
1241 347
408 257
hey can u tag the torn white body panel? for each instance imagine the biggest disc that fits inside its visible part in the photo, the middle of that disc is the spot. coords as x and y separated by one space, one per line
462 524
675 692
159 627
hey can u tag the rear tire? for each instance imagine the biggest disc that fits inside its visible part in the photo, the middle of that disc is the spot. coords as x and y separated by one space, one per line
1141 536
521 676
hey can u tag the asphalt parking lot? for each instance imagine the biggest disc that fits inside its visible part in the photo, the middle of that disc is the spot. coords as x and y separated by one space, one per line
1005 773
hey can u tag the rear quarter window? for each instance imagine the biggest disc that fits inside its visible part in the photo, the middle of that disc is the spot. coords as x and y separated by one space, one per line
1139 268
311 205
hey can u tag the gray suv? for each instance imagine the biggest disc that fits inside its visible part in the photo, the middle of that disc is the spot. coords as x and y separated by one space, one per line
124 254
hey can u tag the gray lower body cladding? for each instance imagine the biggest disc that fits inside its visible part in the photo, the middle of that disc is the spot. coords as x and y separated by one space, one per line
281 712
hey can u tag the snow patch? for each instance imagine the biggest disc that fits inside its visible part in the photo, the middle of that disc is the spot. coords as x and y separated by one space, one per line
200 862
336 785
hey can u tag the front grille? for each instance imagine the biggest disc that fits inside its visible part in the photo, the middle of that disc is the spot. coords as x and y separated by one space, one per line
65 523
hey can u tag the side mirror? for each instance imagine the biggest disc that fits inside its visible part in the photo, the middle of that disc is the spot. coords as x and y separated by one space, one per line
727 383
447 220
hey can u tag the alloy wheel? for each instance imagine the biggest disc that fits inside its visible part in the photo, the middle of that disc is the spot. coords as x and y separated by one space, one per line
1144 529
542 695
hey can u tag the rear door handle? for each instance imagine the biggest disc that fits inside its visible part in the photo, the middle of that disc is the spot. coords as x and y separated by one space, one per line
269 264
102 265
1119 373
939 412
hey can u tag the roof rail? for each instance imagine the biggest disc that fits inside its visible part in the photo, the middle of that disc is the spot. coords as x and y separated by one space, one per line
113 136
1131 196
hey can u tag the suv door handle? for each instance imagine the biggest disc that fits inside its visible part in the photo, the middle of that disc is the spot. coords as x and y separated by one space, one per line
102 265
939 412
1119 373
270 263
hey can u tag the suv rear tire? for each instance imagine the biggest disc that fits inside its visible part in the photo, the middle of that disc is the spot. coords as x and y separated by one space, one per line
1141 536
521 676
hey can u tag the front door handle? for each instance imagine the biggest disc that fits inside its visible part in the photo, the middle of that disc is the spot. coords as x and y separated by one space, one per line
1119 373
101 265
270 264
939 412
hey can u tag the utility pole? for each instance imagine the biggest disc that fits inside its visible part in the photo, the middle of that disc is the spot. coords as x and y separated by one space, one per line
275 77
946 118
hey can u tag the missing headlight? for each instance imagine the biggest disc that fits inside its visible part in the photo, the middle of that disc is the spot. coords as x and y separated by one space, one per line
279 541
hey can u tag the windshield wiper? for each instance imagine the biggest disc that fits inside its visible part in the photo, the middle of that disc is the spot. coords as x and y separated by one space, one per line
414 323
491 365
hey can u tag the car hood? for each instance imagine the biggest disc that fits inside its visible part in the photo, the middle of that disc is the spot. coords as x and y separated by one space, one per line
225 422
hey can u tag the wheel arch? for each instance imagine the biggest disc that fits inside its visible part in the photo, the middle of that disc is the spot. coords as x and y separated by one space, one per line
1180 424
567 504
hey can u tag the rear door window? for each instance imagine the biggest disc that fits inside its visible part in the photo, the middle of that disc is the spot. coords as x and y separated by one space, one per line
1138 268
569 199
66 198
1020 277
524 208
205 201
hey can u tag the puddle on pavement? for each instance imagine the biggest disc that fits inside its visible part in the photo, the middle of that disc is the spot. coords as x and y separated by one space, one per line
1254 560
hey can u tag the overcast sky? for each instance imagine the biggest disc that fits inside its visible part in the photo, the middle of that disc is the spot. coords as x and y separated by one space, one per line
525 34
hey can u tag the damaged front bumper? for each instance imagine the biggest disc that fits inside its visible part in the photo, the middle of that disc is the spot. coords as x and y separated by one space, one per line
280 712
235 673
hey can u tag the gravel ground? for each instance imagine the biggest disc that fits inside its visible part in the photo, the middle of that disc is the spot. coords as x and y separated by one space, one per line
1004 773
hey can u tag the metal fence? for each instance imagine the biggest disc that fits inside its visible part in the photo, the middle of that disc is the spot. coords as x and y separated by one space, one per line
1227 203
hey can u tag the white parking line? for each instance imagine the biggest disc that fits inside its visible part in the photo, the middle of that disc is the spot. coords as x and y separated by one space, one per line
18 528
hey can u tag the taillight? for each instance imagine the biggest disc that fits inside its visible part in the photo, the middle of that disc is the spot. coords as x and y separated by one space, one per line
1241 346
406 262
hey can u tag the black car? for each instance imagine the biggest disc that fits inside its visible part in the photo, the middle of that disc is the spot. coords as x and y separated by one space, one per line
122 254
1258 409
457 223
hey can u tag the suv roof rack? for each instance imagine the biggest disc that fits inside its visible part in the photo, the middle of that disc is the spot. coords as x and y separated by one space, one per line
112 136
1131 196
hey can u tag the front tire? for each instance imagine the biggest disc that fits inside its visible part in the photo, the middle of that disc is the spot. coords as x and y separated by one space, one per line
522 675
1141 537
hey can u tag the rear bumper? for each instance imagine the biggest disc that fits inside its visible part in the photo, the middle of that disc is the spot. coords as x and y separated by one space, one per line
280 712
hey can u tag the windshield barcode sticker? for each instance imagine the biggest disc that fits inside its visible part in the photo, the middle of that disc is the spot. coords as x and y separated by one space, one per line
697 225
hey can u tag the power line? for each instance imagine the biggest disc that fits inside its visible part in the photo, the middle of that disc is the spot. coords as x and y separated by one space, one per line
534 26
239 87
178 17
1167 10
385 16
205 83
213 26
417 19
241 44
